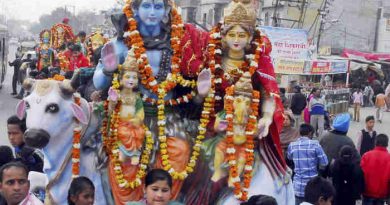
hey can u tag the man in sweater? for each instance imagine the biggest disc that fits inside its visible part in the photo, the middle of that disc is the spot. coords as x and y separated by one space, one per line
317 112
367 136
333 141
376 168
298 104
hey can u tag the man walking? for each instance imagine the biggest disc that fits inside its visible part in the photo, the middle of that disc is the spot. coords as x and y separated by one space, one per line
298 104
308 158
317 112
16 64
376 168
380 105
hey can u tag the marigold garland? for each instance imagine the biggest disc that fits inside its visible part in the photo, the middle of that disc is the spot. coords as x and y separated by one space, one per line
208 108
57 77
76 142
241 191
122 181
111 143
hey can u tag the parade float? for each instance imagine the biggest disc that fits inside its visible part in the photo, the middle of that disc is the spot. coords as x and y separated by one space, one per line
203 106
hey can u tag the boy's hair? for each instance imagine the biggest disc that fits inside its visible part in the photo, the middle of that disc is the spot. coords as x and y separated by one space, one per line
261 200
318 187
14 120
82 34
382 140
368 118
306 129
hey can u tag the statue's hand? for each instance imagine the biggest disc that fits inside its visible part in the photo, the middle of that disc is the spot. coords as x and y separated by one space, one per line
113 95
109 58
263 126
204 82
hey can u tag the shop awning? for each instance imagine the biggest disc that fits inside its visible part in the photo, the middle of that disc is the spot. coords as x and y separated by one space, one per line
358 55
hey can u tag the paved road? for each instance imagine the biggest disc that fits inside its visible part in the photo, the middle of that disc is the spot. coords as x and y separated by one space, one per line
7 102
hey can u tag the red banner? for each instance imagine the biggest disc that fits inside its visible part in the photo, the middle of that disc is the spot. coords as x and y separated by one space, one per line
349 53
320 67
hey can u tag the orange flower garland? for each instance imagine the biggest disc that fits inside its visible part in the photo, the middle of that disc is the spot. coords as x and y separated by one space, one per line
76 143
122 181
241 191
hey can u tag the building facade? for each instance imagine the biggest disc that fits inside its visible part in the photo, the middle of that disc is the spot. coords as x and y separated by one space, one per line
356 24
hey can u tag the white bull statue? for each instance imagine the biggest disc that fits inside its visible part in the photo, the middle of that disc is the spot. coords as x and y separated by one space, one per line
52 117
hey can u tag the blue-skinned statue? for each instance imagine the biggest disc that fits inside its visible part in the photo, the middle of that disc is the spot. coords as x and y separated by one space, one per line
170 57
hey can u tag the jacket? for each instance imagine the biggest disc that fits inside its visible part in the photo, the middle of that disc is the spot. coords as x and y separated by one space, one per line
376 167
298 103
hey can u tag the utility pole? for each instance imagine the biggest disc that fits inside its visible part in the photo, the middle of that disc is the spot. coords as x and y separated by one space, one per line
322 13
301 16
275 17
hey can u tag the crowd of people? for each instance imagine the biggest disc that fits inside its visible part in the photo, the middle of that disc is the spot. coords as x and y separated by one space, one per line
357 172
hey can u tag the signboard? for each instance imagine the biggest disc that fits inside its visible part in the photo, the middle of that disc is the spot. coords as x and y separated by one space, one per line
289 66
287 43
339 66
320 67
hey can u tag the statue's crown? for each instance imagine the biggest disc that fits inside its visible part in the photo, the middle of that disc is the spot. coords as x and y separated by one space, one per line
244 85
240 12
98 37
130 63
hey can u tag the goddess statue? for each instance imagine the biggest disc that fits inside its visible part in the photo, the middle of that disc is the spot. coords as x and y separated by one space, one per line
45 53
249 111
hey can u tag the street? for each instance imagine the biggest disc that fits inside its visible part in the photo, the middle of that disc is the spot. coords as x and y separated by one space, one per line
7 102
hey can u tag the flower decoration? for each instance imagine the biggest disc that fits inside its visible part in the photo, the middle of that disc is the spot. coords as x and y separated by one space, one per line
76 142
241 190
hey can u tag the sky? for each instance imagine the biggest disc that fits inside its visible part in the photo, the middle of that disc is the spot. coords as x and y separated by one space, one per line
33 9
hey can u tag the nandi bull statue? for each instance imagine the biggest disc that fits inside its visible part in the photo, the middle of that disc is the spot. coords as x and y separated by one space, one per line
61 124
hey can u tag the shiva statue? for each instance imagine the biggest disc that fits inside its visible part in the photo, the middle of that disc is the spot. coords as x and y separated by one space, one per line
170 56
45 53
246 152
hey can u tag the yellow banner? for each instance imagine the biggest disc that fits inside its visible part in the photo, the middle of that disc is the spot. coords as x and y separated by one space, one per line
289 66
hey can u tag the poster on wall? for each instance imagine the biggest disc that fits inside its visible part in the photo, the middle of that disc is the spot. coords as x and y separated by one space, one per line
287 43
339 66
289 66
320 67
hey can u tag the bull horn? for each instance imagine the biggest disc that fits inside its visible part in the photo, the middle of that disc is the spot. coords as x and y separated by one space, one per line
75 81
66 89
